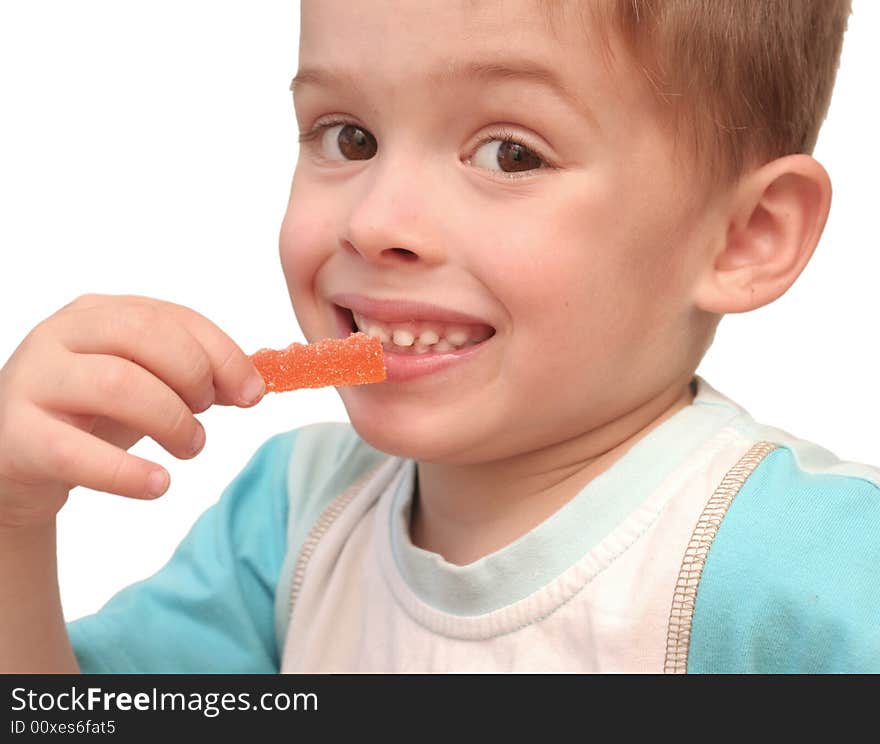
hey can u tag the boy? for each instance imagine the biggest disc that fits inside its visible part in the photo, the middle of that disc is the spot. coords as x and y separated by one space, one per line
543 209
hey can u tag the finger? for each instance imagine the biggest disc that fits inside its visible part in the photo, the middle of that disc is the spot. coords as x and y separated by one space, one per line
116 433
105 385
71 456
102 427
144 334
236 379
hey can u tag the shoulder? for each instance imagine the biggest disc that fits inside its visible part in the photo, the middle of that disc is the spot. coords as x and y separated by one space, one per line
304 470
790 580
326 460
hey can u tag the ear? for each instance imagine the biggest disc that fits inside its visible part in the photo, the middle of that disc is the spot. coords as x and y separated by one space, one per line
767 232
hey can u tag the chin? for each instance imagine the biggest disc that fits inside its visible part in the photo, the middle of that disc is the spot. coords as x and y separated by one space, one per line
387 435
396 432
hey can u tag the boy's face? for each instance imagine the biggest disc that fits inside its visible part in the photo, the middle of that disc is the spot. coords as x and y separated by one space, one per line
584 265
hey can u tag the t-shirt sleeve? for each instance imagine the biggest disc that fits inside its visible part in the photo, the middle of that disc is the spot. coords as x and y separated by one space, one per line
210 609
790 581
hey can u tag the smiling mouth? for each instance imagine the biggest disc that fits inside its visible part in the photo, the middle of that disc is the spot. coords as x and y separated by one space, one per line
417 337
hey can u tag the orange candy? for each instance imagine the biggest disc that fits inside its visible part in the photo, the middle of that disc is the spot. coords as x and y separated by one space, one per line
356 360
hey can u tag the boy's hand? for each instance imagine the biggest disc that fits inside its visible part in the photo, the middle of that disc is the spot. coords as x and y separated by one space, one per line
94 378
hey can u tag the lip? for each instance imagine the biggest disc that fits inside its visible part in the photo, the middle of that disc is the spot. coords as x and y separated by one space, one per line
404 367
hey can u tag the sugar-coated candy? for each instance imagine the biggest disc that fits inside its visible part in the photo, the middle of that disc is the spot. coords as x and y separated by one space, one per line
356 360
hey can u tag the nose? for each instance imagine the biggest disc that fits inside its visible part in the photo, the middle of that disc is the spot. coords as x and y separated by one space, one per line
385 255
394 214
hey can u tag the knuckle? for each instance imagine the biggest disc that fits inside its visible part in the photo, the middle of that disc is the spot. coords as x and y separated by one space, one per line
11 420
199 370
201 379
10 444
139 320
83 299
113 379
182 423
35 335
8 372
40 344
230 356
115 483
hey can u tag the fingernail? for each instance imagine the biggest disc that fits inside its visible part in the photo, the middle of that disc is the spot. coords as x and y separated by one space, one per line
198 440
253 390
157 483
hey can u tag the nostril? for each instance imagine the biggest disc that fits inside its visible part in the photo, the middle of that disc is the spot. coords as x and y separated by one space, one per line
403 253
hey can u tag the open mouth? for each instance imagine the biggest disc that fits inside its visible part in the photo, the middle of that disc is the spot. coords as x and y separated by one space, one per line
416 337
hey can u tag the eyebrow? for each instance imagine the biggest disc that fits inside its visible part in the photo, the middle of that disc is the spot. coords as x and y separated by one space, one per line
488 71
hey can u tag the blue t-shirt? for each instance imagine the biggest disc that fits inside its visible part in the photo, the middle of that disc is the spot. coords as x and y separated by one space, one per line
210 609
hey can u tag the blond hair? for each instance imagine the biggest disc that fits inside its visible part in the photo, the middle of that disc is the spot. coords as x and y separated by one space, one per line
741 81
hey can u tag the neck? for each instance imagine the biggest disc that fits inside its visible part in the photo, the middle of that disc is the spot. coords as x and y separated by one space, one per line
464 512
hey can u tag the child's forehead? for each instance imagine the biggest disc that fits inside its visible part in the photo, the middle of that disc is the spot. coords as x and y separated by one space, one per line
451 22
428 27
439 43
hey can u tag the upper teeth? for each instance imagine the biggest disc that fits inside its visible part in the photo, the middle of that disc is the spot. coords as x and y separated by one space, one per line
423 335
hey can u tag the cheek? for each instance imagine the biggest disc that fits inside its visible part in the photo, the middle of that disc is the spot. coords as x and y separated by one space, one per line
629 252
597 276
304 244
304 230
560 272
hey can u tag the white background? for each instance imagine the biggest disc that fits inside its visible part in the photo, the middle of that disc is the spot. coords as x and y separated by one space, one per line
147 148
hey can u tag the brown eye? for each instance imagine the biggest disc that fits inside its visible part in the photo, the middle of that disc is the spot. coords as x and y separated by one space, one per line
353 142
506 155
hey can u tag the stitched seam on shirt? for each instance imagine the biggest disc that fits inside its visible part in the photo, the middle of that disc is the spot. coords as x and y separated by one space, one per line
330 514
638 536
684 597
